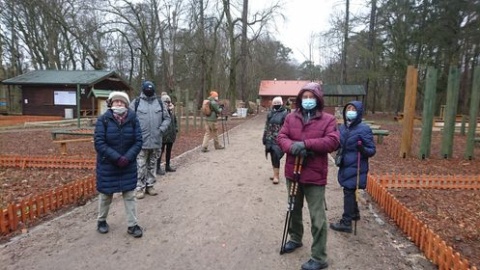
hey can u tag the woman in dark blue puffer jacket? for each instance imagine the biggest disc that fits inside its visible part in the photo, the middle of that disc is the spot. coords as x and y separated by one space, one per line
356 141
118 140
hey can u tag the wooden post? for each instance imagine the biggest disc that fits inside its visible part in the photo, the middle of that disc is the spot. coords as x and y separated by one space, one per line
450 112
409 111
187 113
463 125
472 124
180 110
428 111
195 113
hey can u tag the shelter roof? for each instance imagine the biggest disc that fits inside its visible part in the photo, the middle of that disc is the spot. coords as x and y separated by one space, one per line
69 77
291 88
100 93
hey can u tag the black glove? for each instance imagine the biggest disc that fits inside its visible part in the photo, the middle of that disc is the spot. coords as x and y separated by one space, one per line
297 148
264 140
361 149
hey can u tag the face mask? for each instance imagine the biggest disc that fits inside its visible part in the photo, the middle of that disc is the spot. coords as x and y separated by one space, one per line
276 107
351 115
119 110
148 92
309 103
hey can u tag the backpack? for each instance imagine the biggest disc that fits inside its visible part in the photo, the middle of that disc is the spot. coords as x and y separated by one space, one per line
206 110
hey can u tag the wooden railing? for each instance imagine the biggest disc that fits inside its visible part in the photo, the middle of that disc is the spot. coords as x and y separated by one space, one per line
18 216
434 248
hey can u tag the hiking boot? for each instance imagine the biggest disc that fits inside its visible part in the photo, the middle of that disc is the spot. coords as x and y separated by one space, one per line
341 226
219 147
160 171
102 226
170 169
204 150
140 194
290 246
136 231
151 191
314 265
356 217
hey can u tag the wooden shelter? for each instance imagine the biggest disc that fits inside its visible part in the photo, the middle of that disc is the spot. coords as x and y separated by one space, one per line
334 95
59 92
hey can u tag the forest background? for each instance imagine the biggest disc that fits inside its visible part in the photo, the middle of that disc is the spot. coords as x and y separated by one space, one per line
189 47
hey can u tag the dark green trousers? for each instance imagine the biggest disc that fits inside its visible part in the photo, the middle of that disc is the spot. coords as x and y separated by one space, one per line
315 197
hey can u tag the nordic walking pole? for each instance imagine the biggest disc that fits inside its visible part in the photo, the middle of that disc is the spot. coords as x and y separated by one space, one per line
358 183
297 168
226 127
223 131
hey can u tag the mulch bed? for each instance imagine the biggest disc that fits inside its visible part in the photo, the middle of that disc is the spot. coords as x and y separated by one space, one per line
453 214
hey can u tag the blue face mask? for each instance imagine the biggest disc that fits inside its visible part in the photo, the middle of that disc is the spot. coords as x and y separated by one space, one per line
309 103
351 115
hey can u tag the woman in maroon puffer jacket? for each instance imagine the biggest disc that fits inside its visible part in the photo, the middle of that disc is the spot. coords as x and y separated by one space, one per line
312 133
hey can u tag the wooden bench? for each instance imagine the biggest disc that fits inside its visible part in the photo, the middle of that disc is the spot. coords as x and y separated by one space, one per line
63 143
374 126
380 133
73 131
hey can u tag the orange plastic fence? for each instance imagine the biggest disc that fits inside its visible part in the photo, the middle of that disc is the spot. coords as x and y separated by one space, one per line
46 162
430 181
19 215
434 248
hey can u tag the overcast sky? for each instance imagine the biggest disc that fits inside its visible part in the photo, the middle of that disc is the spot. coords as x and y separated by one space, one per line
304 18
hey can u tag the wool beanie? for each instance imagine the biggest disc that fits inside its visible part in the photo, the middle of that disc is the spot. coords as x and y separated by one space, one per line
117 95
277 101
166 98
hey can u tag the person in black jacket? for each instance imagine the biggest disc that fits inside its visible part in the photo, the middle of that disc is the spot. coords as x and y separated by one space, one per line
118 140
356 147
275 119
168 137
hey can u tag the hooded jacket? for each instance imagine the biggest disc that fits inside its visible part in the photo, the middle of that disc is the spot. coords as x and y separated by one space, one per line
153 120
319 134
350 136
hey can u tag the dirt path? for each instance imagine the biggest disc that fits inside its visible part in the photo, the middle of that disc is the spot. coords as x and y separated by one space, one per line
230 220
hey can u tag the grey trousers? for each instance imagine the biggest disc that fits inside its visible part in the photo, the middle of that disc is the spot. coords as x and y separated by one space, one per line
147 167
104 201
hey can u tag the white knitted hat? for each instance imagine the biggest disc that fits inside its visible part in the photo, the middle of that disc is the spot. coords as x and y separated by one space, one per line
117 95
277 101
166 98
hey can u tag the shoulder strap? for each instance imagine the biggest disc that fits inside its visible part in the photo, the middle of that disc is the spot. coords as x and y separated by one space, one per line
137 102
160 102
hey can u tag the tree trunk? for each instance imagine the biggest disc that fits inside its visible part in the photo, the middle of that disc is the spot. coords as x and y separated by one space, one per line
243 53
345 43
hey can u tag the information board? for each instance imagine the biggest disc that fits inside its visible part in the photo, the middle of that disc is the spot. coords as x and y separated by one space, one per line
65 98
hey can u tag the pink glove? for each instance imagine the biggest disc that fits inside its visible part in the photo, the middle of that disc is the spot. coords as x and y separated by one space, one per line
122 161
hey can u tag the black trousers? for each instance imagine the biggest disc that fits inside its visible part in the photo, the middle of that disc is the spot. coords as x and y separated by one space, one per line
168 153
350 206
275 159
